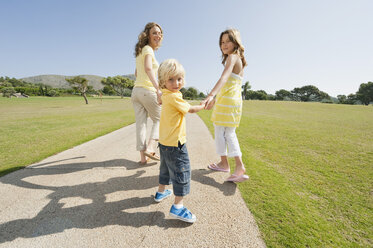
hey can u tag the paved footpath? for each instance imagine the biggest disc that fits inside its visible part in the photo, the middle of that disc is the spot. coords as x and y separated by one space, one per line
96 195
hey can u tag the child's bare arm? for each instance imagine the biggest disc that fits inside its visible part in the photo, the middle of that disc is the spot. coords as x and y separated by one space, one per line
231 61
196 108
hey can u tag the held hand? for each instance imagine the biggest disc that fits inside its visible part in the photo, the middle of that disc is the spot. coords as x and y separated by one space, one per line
203 103
207 101
210 105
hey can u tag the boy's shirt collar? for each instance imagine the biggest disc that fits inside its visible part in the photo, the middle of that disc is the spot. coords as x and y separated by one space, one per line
167 92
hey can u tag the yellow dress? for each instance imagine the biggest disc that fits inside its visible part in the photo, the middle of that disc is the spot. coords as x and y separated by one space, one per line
228 105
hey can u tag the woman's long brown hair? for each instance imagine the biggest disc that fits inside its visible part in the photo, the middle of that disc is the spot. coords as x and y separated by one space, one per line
143 38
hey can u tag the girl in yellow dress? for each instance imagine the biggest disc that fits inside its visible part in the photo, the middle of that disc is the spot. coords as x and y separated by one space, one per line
227 101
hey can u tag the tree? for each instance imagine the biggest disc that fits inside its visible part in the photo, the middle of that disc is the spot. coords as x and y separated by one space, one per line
183 90
91 90
304 93
191 93
44 89
271 97
8 91
15 82
119 84
256 95
283 95
308 93
107 90
79 84
53 93
261 95
324 97
342 99
245 88
350 99
6 84
365 93
201 95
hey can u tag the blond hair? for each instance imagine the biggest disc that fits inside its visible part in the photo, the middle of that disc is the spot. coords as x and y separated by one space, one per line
143 38
168 69
235 37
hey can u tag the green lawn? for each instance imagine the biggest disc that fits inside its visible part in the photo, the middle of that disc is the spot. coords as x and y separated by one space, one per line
34 128
311 172
310 164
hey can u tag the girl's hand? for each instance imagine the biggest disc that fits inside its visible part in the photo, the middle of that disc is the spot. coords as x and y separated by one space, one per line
210 104
207 101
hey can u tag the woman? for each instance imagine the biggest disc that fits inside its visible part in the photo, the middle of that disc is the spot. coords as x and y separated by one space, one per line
146 95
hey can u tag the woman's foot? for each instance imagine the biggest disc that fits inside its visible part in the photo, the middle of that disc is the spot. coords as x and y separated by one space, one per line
144 162
219 167
152 155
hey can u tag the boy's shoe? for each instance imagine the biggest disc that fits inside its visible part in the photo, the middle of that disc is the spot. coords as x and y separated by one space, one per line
182 214
161 196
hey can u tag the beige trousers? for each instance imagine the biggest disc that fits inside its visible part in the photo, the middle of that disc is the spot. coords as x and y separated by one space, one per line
145 104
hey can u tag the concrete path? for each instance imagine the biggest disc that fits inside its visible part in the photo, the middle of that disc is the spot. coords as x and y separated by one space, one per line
96 195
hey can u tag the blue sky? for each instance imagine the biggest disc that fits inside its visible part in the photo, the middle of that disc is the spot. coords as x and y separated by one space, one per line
288 43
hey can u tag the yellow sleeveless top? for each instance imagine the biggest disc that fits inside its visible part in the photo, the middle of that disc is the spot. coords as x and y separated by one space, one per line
228 105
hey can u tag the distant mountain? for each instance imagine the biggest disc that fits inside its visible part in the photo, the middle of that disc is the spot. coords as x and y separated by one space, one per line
130 76
58 81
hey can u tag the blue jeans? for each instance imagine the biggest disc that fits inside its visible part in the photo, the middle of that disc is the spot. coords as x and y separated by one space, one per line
175 168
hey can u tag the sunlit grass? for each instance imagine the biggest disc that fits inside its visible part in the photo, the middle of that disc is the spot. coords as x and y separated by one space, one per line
311 172
310 164
34 128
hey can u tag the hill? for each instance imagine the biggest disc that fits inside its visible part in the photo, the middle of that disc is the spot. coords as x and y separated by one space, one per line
58 81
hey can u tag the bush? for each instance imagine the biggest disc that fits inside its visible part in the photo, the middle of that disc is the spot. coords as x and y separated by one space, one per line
28 91
53 93
8 91
127 92
107 90
325 100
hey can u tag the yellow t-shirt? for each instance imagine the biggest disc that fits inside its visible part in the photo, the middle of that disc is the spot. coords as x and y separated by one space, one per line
142 79
172 124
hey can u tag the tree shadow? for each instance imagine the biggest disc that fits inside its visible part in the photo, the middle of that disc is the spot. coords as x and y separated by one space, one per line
55 217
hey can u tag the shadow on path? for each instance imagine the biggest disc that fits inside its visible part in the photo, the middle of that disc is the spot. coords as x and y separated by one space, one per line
201 176
55 218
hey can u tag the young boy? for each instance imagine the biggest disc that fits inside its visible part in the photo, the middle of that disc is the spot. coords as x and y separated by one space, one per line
175 166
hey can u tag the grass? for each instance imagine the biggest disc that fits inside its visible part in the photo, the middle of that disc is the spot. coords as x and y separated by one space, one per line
310 164
311 172
32 129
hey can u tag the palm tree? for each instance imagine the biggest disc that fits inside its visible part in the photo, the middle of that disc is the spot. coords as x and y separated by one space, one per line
245 88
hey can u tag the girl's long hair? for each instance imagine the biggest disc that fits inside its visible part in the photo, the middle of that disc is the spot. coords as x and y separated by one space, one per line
143 38
239 49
